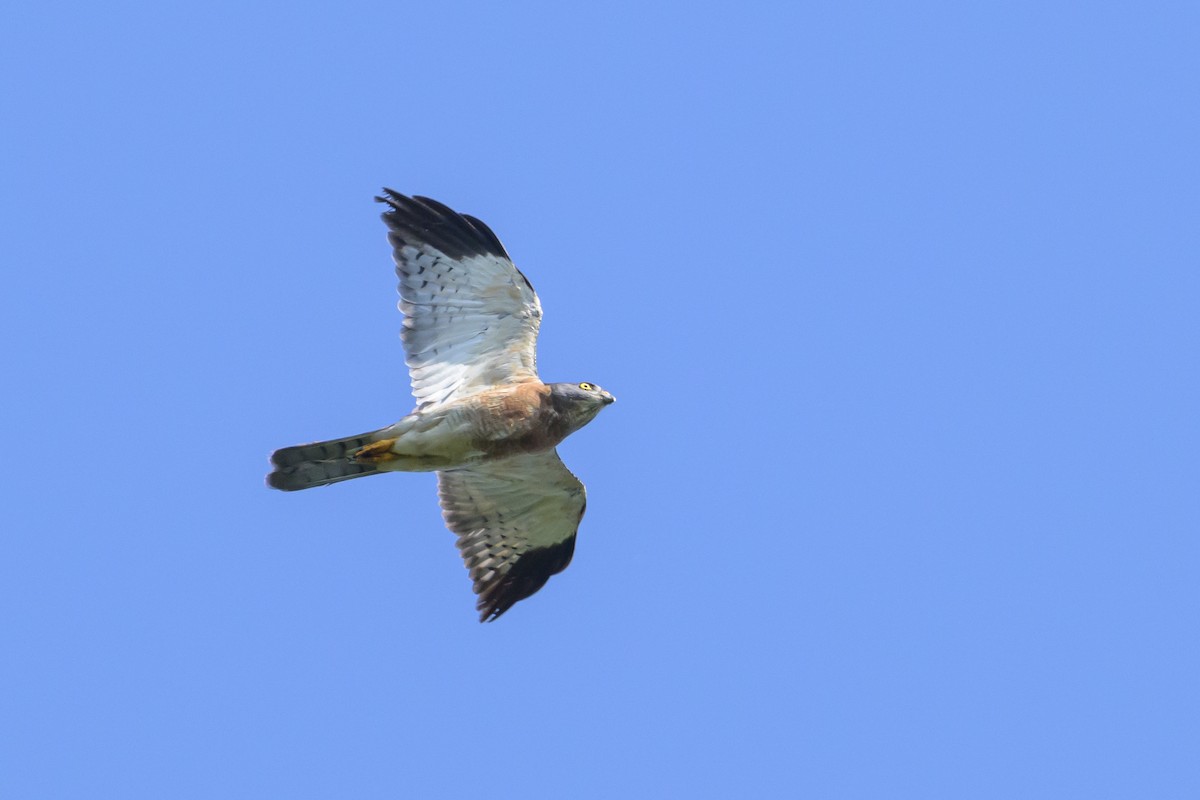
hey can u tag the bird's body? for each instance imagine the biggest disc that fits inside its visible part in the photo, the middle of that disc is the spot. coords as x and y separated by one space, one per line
488 426
484 421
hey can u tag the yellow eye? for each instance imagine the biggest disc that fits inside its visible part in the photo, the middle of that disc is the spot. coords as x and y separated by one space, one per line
587 387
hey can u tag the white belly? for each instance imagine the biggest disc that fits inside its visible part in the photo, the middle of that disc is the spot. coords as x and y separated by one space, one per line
432 440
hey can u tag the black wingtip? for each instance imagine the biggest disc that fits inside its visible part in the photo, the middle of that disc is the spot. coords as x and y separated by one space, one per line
390 196
527 575
420 220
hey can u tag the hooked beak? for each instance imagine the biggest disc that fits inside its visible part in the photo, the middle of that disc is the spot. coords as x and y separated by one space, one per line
609 399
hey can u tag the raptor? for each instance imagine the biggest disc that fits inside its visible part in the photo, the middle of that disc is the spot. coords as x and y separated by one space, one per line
484 420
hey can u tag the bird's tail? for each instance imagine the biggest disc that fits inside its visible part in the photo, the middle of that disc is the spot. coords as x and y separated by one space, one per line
321 463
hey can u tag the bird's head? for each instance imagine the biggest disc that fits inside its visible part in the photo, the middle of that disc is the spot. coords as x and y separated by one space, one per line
579 402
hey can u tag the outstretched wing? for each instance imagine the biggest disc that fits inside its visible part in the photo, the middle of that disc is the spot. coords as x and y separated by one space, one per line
470 317
516 521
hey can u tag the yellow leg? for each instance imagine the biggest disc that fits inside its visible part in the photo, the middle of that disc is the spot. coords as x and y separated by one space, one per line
377 452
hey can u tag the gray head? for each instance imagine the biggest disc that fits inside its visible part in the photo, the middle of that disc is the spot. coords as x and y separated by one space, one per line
579 402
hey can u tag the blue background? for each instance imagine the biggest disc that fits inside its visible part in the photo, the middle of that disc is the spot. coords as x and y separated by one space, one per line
899 302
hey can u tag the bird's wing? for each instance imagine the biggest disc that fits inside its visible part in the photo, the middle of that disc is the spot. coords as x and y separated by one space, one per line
470 317
516 520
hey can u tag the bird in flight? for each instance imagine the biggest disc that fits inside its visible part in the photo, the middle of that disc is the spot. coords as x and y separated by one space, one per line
483 420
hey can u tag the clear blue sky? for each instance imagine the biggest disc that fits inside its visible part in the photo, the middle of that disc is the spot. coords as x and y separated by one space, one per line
899 302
